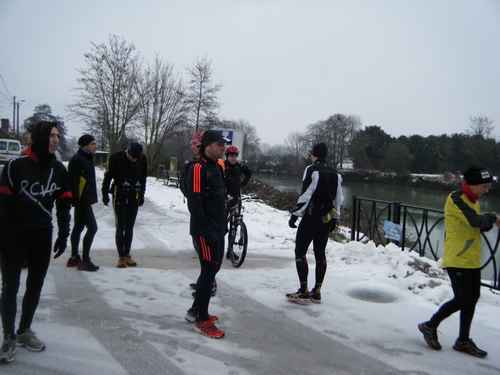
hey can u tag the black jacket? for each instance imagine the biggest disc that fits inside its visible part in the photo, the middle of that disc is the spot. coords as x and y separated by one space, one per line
82 178
206 199
28 191
321 190
129 179
232 179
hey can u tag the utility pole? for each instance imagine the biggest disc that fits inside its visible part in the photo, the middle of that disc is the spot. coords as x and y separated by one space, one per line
14 114
17 118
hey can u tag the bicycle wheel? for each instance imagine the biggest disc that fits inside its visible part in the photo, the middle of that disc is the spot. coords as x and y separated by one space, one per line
239 244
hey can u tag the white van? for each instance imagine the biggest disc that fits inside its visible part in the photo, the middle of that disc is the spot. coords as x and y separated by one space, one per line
9 148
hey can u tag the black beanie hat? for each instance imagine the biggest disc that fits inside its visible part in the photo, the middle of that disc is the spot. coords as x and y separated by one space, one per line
135 150
85 139
40 136
476 175
320 150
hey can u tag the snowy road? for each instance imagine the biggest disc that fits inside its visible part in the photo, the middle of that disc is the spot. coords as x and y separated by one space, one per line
131 321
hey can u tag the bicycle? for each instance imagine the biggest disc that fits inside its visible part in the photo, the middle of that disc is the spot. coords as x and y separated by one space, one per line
237 235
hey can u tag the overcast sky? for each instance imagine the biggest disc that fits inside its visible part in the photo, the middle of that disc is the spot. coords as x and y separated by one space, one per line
411 67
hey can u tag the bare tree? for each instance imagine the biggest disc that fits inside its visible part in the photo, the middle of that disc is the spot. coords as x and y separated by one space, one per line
337 132
107 97
480 130
201 97
296 147
161 107
480 125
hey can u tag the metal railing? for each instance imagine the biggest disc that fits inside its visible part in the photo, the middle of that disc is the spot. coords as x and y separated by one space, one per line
422 230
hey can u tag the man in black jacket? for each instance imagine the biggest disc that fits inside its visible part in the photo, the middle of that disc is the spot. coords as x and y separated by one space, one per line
128 169
207 204
29 186
83 188
319 205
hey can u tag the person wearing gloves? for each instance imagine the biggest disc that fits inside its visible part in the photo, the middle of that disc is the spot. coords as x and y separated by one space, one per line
84 191
29 187
128 169
319 205
463 224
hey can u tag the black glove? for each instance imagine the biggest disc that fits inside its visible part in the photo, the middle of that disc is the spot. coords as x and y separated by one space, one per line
334 225
291 222
105 199
60 246
141 200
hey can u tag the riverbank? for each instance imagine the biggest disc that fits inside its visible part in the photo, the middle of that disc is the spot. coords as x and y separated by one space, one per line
446 181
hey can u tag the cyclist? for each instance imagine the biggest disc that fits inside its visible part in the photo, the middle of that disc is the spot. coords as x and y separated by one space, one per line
232 173
232 177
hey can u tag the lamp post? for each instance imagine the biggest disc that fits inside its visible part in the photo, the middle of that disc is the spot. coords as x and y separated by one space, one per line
14 114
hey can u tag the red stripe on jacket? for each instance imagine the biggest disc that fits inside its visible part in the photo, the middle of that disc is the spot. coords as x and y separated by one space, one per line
5 190
197 178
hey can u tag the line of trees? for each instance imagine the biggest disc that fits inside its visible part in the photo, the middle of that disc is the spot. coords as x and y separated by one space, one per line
120 98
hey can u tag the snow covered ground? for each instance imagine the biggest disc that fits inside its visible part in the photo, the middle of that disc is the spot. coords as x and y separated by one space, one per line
131 321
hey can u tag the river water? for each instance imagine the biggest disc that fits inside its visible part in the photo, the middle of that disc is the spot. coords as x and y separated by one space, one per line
430 198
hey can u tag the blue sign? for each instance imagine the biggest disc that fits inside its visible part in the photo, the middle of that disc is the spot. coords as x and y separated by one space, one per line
229 135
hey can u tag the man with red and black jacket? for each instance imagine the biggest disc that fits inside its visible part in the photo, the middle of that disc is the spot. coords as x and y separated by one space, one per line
84 191
29 187
207 204
128 169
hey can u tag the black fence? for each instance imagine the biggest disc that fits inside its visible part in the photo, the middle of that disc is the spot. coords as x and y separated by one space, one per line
422 230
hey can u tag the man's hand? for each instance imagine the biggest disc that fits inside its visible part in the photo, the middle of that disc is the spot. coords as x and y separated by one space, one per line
60 246
291 222
105 199
141 200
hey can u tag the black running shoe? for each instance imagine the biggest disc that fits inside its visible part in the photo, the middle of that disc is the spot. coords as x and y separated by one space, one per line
87 266
468 346
315 297
299 297
430 336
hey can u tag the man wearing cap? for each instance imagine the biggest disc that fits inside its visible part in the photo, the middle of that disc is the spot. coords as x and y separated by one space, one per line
84 191
128 170
319 205
463 223
207 204
29 187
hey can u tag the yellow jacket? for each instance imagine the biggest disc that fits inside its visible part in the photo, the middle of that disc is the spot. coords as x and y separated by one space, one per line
463 225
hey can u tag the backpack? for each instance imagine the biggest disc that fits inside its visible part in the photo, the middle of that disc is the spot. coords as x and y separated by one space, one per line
182 178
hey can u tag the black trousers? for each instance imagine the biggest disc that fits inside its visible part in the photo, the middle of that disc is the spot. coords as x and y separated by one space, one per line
210 262
125 215
83 217
36 249
466 284
311 229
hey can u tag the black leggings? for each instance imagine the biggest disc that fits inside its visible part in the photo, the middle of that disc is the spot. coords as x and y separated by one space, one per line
210 265
125 214
36 249
466 284
311 229
84 217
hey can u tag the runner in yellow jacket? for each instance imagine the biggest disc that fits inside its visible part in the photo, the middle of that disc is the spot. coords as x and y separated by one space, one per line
462 257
